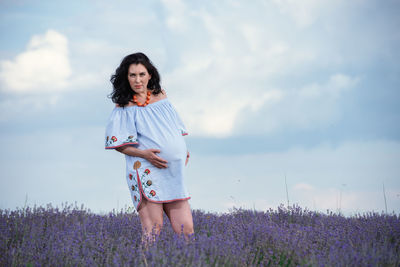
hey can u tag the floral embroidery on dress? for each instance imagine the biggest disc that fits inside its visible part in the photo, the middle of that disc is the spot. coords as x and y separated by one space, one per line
146 183
135 198
113 139
130 176
130 139
183 132
137 165
133 188
110 141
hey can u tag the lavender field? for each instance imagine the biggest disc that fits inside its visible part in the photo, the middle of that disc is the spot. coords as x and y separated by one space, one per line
73 236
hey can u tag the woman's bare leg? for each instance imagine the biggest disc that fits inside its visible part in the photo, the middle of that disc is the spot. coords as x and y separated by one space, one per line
151 218
179 214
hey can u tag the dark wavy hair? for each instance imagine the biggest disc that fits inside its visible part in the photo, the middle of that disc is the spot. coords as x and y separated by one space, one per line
122 92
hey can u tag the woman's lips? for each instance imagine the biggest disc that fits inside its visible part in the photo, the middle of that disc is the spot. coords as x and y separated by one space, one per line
138 86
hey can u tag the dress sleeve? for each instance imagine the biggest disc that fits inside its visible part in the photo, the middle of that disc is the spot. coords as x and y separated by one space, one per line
121 129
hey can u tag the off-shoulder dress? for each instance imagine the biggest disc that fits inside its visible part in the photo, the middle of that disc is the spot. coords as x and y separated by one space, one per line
158 126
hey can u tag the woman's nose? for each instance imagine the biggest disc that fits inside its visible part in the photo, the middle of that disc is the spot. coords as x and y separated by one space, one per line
137 79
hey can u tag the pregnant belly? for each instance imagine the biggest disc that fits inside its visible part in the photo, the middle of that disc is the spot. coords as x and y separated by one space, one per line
173 149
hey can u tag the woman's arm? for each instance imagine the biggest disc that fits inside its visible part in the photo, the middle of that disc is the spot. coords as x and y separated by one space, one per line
148 154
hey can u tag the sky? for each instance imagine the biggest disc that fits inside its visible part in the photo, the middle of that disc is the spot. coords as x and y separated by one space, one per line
275 94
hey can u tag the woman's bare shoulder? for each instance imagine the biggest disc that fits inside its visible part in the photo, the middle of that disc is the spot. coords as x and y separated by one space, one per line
162 96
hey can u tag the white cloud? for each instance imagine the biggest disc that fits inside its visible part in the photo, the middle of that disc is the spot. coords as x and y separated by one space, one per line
176 14
220 79
43 66
333 88
304 12
226 71
308 107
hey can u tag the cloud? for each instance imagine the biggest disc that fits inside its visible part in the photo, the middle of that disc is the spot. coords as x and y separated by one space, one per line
311 106
222 79
43 66
227 75
176 11
334 87
304 13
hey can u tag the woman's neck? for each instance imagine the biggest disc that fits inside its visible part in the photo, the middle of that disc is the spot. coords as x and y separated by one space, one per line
142 94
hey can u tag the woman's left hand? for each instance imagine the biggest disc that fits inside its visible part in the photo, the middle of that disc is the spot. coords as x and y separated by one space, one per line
187 158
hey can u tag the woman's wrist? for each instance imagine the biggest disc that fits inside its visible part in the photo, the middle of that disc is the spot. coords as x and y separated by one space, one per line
131 151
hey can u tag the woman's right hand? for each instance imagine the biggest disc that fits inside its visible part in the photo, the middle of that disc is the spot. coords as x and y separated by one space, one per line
151 156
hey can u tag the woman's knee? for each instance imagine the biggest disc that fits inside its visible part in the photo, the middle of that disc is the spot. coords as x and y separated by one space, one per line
188 227
185 227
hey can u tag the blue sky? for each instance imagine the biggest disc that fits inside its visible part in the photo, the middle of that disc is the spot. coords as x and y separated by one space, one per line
267 89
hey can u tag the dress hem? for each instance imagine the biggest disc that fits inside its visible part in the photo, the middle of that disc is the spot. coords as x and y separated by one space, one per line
142 193
165 201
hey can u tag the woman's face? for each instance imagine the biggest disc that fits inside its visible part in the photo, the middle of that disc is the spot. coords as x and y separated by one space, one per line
138 78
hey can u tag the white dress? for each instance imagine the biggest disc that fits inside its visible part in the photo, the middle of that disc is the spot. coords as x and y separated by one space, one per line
158 126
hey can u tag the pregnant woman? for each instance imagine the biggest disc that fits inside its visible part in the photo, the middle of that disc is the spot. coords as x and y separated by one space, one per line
147 129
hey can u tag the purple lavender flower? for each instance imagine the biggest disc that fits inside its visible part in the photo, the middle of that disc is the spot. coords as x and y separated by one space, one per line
283 237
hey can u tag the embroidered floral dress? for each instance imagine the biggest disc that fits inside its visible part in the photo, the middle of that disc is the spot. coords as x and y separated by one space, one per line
158 126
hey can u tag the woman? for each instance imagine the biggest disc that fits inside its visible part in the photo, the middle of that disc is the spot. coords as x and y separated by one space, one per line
146 128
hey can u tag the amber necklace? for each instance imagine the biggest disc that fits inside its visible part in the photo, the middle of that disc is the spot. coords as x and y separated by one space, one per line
142 104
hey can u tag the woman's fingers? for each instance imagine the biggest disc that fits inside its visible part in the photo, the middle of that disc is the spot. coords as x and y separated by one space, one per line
160 159
159 164
162 163
156 160
154 151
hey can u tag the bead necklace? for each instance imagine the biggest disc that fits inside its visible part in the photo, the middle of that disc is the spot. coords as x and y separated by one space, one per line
142 104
